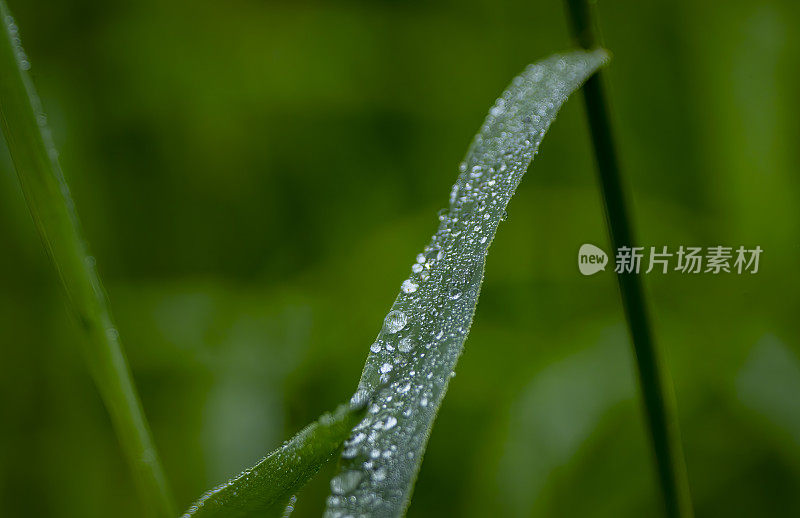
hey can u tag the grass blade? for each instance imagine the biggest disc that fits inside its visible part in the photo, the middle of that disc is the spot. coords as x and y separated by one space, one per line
412 359
654 379
267 488
49 201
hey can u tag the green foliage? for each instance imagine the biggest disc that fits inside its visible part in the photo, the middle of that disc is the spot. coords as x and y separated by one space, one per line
36 161
268 487
252 178
412 360
655 380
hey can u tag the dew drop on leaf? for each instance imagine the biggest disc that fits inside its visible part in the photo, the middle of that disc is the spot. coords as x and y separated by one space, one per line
407 377
409 286
345 482
395 321
405 345
379 475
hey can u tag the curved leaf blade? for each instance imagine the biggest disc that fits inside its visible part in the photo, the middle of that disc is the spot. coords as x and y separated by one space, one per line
412 360
268 487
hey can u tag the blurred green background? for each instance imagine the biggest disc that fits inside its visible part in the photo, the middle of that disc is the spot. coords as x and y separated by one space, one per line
255 177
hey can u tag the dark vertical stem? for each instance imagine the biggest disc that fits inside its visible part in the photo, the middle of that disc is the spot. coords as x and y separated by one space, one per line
654 380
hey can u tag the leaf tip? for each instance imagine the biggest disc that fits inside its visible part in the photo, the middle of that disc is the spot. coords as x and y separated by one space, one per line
603 54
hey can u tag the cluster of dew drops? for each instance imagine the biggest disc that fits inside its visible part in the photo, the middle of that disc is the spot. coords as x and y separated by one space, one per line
413 357
19 52
41 119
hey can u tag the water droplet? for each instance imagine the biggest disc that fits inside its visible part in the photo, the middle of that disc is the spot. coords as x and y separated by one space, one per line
289 507
386 367
406 344
395 321
375 347
359 399
454 293
454 194
408 286
379 475
416 268
345 482
357 438
390 423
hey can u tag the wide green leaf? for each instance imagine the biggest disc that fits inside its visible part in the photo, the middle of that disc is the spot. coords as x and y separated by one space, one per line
267 488
412 360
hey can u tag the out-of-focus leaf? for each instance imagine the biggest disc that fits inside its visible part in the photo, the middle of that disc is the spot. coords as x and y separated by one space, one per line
769 384
554 417
35 158
268 487
412 360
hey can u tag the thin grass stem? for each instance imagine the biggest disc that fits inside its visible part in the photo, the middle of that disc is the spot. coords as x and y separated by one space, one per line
654 378
51 206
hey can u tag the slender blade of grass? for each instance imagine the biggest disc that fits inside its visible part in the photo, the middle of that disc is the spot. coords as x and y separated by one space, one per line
412 360
654 378
49 201
267 488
